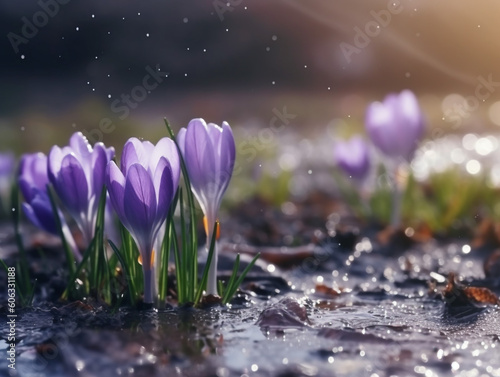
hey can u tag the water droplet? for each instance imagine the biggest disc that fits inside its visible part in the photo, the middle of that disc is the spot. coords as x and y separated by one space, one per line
147 35
185 74
109 95
93 16
268 49
274 82
138 13
407 74
274 38
204 50
77 28
305 66
185 20
22 56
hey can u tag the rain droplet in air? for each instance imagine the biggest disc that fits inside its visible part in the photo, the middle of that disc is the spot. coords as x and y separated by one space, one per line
185 20
274 38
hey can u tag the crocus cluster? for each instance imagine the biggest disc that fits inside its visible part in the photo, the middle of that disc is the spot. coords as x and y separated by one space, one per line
395 126
141 190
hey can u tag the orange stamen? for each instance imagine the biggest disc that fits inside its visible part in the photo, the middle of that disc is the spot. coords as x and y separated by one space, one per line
205 225
152 259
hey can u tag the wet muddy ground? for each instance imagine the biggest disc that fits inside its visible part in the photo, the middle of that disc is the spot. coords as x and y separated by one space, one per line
334 300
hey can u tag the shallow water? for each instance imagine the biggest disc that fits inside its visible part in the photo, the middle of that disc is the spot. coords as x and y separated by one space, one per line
384 322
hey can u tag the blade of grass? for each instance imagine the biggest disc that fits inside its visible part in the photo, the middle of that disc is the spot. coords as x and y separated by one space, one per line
230 293
130 281
76 272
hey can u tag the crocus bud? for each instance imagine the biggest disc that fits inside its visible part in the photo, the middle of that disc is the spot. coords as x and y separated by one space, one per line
33 182
396 125
141 193
209 153
77 173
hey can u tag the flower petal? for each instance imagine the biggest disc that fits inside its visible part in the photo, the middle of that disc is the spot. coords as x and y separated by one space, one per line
227 157
140 202
72 186
166 148
135 152
181 139
165 188
54 163
99 162
200 159
80 146
39 212
115 182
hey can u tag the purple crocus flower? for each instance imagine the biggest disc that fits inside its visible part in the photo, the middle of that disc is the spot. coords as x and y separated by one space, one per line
77 173
209 154
396 125
33 182
353 158
141 193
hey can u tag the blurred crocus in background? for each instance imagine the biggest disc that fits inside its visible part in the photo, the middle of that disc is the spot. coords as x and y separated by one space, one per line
353 157
77 173
7 162
141 193
209 154
395 127
33 182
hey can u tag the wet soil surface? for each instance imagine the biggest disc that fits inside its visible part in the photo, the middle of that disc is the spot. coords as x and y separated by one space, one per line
326 299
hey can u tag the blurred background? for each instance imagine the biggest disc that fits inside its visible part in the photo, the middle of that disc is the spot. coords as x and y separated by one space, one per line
115 69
